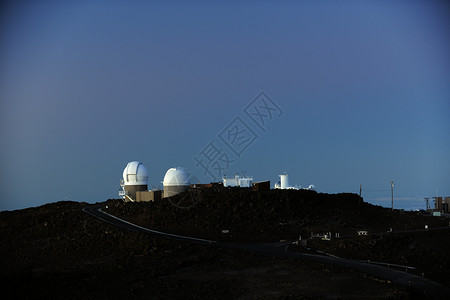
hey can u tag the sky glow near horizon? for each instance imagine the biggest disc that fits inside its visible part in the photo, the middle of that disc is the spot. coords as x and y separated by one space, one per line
87 86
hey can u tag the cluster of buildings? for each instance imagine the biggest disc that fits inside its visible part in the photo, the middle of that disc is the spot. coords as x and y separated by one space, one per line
134 183
441 205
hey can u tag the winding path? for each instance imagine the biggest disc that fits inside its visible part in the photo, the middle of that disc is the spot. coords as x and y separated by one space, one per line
428 287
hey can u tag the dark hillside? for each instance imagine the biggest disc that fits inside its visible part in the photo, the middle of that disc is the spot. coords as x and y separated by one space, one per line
266 216
58 251
287 214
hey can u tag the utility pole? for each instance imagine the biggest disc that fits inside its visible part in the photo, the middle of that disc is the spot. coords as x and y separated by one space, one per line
392 195
360 199
428 205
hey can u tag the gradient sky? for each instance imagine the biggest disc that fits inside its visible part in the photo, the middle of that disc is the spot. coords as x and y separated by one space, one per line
86 86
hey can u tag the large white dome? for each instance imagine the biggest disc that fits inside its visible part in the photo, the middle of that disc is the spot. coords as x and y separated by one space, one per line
135 173
176 177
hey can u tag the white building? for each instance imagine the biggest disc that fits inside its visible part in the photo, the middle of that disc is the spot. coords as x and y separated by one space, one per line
237 181
135 178
176 181
283 184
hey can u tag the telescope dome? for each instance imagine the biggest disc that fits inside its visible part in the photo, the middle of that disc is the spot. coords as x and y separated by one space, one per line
135 173
176 177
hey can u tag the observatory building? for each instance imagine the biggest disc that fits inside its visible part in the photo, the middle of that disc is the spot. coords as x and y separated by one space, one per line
240 181
175 181
134 184
135 179
283 184
441 204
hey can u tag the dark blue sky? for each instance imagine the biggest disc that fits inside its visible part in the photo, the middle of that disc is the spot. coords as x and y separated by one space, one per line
86 86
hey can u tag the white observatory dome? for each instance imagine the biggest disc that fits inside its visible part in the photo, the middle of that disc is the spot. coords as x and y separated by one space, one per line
177 177
135 173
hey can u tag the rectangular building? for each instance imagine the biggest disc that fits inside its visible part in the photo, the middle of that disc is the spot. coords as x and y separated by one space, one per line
147 196
261 186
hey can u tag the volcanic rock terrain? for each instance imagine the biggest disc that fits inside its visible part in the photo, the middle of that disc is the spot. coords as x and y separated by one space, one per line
57 250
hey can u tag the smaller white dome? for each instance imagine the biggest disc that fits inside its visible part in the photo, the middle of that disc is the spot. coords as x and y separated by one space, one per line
176 177
277 185
135 173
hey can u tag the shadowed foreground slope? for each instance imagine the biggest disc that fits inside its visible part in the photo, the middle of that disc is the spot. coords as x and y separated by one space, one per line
57 250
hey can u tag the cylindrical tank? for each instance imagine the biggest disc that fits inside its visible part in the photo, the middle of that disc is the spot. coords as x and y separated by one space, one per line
175 181
284 181
135 178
